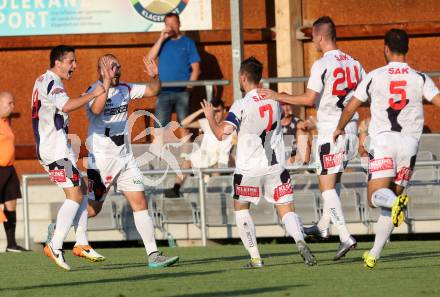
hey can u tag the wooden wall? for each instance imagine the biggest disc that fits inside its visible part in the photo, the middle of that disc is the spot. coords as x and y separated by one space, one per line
423 54
23 59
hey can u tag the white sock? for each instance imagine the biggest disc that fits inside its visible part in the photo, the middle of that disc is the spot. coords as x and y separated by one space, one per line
80 223
383 198
145 227
246 229
384 228
324 221
292 224
335 210
65 217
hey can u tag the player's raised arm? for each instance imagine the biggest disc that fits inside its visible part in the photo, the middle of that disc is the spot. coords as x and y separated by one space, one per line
222 130
107 72
153 87
190 121
74 104
99 91
306 99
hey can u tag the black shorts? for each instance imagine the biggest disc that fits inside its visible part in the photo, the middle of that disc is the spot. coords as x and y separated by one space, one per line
9 184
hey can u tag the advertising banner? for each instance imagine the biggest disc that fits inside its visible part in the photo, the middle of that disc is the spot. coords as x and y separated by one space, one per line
48 17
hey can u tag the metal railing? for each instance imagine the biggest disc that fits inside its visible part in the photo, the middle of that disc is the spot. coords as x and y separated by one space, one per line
208 84
300 79
200 174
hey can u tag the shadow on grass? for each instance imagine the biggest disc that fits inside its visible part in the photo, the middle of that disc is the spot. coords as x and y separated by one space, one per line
402 256
111 266
411 267
131 278
409 255
265 256
244 292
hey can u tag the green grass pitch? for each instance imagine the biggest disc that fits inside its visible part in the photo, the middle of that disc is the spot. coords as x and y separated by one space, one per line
407 268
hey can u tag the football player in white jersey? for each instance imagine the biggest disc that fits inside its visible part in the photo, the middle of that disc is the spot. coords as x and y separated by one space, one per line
111 160
50 108
333 79
396 92
260 161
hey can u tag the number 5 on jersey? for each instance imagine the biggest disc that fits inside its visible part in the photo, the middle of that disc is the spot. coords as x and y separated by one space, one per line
397 88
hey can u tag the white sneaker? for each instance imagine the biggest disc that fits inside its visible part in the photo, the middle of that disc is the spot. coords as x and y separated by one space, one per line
86 251
56 255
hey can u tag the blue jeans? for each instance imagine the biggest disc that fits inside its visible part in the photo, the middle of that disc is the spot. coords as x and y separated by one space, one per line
165 104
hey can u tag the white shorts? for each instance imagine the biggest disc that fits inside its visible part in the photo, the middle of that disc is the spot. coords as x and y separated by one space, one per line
333 157
64 173
277 188
202 159
392 155
102 173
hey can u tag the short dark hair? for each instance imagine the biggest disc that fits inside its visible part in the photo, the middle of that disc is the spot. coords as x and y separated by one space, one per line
397 41
58 52
326 20
252 68
170 15
217 102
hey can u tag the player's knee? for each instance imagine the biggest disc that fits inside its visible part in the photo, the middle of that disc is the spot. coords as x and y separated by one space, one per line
94 209
138 204
240 206
283 209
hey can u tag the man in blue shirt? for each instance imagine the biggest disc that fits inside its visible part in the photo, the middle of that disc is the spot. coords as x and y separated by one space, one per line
178 60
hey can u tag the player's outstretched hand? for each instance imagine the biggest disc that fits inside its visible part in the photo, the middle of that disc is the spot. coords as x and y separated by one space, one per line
337 133
267 94
108 72
150 67
208 109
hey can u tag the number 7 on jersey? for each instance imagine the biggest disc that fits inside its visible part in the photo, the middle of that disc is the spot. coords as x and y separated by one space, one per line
268 108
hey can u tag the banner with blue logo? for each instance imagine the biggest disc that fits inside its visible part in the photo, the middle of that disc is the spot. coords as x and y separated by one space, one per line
49 17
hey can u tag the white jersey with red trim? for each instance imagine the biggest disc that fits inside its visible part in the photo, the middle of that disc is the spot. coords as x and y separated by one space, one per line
260 146
108 131
335 76
49 122
396 91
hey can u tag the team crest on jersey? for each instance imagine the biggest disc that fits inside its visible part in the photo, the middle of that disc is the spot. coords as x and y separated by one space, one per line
155 10
57 91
